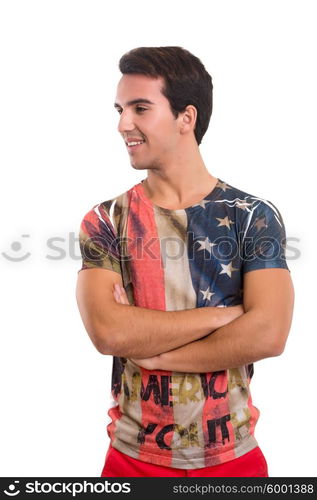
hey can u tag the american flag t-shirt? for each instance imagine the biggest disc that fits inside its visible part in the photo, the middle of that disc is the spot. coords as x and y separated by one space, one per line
174 260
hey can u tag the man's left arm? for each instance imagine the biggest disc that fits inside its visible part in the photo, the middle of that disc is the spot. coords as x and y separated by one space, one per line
259 333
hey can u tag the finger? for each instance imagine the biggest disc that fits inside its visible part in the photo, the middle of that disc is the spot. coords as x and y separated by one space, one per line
118 293
124 296
116 296
121 299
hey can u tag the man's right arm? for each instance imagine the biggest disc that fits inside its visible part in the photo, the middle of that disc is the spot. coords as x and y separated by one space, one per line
125 331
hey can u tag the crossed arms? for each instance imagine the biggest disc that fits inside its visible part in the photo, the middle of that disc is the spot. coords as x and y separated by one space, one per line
198 340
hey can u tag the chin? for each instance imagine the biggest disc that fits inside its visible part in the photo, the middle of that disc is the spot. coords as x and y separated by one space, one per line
138 167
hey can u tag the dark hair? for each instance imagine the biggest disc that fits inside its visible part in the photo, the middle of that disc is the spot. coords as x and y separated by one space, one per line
186 79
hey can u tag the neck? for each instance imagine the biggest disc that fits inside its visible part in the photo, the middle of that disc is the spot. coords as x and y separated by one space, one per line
184 180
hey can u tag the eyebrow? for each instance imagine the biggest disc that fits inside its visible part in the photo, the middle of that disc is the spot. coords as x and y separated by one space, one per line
140 100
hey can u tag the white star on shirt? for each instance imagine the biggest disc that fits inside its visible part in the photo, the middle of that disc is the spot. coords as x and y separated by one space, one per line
260 222
205 245
202 203
207 294
228 269
223 185
225 222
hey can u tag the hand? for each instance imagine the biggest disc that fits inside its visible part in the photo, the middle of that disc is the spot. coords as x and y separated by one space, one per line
235 311
228 314
120 294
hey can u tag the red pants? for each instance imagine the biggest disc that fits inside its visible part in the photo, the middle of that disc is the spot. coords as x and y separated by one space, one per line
117 464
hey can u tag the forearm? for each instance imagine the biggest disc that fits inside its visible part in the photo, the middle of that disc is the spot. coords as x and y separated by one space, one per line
245 340
139 332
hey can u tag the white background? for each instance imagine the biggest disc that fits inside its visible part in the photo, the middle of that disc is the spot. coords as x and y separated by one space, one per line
61 154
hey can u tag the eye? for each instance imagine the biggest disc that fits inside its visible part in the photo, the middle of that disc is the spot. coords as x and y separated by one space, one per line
139 109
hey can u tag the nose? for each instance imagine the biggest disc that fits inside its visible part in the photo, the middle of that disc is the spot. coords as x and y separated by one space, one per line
125 122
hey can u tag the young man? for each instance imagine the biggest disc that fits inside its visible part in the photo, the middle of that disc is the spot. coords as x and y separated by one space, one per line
185 285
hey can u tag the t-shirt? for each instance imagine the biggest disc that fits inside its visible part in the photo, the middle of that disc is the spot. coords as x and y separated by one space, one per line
173 260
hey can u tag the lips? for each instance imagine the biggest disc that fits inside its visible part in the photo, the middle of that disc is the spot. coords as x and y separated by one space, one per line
134 147
133 140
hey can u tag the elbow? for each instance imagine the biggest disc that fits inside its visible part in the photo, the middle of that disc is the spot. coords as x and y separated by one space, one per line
108 348
277 349
117 345
276 342
105 337
102 346
107 341
102 325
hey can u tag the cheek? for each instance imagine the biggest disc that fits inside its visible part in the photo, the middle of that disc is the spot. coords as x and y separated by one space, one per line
163 135
162 143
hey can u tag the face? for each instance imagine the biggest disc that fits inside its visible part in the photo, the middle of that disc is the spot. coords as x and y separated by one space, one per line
145 115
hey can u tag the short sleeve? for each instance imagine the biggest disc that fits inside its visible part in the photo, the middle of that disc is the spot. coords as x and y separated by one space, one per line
99 245
264 238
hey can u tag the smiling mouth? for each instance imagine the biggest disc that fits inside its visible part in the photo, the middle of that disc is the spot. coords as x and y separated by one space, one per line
132 144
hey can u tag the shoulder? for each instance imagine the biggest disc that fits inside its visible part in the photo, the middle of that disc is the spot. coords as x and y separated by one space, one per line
103 216
105 210
248 203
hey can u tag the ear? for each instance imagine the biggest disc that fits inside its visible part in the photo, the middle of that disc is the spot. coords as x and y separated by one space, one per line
188 119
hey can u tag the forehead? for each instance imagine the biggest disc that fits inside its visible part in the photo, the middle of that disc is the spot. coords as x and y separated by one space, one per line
139 86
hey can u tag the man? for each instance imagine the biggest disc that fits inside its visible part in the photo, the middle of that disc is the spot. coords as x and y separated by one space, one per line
185 285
